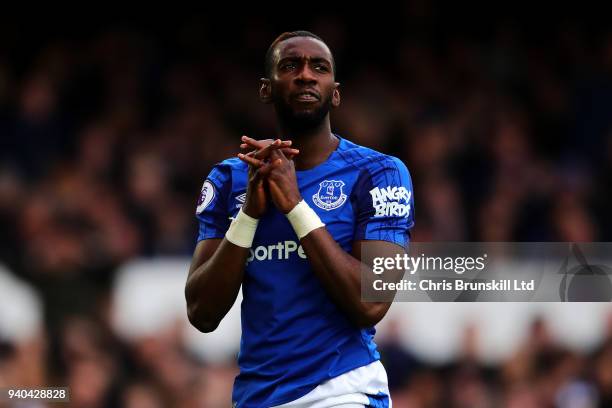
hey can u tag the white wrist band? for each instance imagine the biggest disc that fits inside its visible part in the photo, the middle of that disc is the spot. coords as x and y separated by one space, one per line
303 219
242 230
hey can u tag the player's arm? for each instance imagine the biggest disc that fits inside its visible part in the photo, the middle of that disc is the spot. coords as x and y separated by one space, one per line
218 264
213 282
339 272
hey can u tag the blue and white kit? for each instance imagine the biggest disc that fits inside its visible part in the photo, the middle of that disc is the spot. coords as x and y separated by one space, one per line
295 340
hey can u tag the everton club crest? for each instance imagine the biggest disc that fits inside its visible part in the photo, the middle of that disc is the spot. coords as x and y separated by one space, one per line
330 195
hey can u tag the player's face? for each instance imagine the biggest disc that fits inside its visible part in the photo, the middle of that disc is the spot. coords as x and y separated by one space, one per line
303 88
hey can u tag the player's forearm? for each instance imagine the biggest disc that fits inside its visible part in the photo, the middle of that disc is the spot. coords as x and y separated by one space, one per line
340 275
212 287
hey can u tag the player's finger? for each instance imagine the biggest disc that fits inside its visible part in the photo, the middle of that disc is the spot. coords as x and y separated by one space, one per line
259 144
284 144
250 160
265 152
262 172
255 174
288 152
250 140
265 170
278 155
253 145
292 152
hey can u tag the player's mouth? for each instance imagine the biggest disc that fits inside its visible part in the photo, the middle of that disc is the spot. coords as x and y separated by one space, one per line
306 96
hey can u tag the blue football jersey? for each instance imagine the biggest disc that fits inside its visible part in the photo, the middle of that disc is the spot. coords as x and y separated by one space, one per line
293 336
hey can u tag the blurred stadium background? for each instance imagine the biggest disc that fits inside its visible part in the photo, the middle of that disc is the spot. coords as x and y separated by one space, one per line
109 124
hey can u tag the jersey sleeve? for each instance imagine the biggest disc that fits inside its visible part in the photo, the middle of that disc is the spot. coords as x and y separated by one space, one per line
384 202
211 210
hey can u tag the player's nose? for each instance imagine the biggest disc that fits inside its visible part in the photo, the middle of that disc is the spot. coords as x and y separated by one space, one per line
306 75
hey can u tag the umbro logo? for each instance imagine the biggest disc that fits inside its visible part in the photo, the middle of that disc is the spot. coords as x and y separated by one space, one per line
240 200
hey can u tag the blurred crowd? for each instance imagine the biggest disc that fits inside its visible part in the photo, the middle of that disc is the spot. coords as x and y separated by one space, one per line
104 371
540 373
107 133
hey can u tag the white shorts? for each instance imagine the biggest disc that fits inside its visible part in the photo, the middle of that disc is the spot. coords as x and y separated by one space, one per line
365 386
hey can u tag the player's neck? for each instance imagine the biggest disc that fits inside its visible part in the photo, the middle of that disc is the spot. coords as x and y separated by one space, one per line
315 145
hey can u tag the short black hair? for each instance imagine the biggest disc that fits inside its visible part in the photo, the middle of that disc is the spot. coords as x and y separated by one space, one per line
268 65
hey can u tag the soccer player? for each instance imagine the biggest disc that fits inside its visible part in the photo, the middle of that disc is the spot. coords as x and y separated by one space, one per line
287 221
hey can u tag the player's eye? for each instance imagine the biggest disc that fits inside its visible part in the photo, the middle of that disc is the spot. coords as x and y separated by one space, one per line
288 66
321 68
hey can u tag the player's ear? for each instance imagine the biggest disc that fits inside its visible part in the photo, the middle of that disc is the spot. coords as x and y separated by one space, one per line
265 92
336 95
